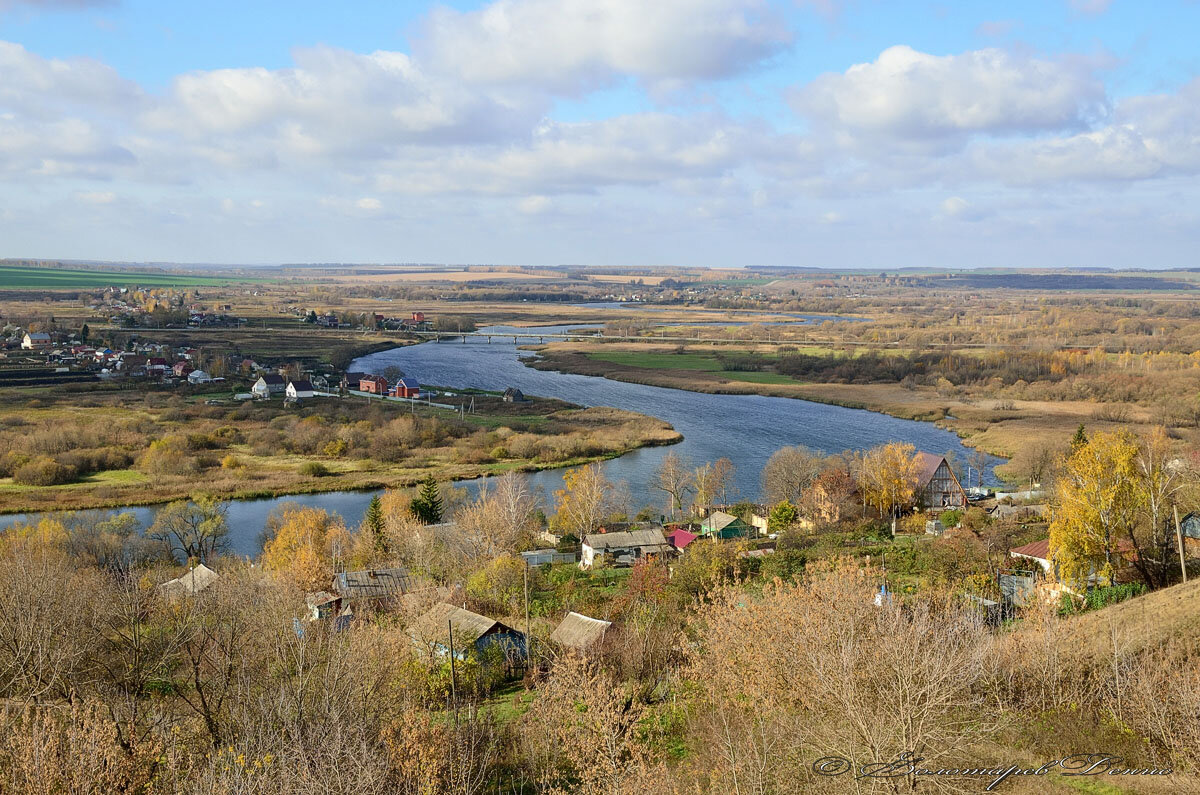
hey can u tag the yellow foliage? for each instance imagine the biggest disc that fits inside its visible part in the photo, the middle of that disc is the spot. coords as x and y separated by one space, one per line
304 546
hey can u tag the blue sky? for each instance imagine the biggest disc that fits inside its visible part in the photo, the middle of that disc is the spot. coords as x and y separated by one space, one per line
602 132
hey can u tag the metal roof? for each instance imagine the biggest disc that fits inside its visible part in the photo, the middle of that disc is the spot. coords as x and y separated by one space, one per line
372 583
627 538
434 625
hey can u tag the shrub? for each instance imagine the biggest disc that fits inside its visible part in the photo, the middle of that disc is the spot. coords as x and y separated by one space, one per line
950 518
232 462
314 469
44 472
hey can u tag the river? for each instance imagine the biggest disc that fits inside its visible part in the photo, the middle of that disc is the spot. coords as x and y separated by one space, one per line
746 429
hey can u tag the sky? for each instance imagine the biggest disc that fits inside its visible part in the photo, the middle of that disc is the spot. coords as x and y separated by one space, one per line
717 133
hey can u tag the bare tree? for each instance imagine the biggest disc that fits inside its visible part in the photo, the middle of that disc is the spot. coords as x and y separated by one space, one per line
788 473
674 479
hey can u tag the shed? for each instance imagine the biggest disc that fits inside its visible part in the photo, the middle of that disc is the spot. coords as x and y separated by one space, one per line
471 630
724 526
198 377
514 395
577 631
540 557
1190 527
680 538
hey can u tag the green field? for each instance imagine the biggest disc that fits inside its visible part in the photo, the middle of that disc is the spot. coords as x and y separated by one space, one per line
17 276
659 361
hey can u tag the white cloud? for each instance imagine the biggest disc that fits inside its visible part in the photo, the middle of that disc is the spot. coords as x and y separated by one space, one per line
369 204
910 96
534 205
573 45
96 197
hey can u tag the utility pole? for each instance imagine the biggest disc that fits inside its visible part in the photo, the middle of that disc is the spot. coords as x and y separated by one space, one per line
528 637
1179 541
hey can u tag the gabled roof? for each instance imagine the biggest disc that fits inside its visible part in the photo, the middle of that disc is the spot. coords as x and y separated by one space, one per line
680 538
193 582
1038 549
628 538
927 465
578 631
434 625
718 520
372 583
272 379
302 385
408 383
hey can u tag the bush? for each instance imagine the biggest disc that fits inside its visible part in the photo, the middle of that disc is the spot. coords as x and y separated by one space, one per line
950 518
232 462
44 472
314 469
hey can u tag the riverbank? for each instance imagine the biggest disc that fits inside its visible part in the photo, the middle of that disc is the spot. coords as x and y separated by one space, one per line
131 450
1012 429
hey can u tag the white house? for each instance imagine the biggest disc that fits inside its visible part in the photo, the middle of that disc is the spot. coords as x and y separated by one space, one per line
297 390
268 385
37 340
623 548
198 377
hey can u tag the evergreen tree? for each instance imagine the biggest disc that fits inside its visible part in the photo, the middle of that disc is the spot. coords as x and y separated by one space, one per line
1079 439
84 332
428 505
373 523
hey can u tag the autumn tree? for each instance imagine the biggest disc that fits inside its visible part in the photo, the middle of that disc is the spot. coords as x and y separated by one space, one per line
587 499
195 529
1098 501
304 544
887 478
711 482
675 480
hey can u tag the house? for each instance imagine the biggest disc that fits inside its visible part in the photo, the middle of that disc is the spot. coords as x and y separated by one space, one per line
350 380
418 317
724 526
937 486
181 369
1047 580
1190 527
373 385
36 341
198 377
407 388
540 557
514 395
198 579
372 584
297 390
322 605
444 624
157 364
579 632
623 548
680 538
268 385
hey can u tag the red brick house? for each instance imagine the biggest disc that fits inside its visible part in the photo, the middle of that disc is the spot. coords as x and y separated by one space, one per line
373 384
406 388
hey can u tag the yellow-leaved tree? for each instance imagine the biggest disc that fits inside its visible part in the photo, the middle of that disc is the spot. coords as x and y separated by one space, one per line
588 499
1098 500
304 545
887 477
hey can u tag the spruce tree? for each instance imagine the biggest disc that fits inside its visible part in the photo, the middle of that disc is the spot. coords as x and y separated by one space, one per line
427 507
1079 439
373 523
